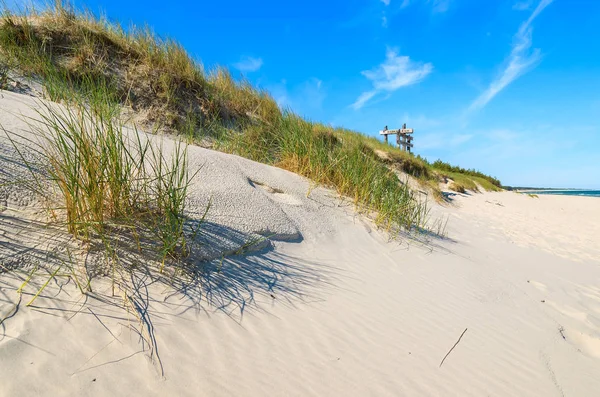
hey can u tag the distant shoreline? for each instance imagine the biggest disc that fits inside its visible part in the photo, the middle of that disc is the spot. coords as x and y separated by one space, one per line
563 192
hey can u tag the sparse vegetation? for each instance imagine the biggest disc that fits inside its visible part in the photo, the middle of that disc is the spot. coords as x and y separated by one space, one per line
432 185
77 55
457 187
3 76
478 176
106 185
334 159
71 50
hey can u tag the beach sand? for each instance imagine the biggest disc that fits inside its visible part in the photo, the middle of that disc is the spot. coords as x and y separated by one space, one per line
330 307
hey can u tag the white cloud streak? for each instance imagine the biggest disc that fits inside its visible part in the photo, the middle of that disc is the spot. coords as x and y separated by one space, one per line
441 5
362 99
386 2
395 72
437 6
523 5
543 4
248 64
521 60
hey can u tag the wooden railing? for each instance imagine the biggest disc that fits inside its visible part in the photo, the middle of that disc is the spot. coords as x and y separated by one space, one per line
403 137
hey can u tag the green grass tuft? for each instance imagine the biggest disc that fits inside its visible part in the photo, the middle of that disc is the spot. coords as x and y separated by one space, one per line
457 187
107 179
486 181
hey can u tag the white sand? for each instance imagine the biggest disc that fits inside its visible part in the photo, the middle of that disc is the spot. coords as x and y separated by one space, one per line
331 309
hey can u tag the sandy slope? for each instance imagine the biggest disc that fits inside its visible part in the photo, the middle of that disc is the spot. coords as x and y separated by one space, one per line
332 308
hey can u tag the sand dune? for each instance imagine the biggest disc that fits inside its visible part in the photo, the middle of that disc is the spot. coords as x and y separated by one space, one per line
329 307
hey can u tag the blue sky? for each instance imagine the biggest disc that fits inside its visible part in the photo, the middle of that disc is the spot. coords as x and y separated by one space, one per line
510 87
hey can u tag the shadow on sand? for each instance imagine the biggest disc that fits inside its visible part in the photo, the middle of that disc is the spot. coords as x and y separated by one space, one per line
247 274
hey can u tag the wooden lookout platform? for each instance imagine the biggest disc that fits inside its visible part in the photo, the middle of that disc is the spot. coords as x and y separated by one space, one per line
403 137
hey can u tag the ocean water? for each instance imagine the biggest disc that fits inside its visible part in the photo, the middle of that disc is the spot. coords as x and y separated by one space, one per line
569 192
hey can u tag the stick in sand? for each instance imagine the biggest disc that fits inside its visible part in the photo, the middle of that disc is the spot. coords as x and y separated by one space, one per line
450 351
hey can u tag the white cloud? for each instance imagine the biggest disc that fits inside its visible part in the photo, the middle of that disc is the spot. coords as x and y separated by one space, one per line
441 5
248 64
523 5
384 20
520 61
540 7
362 99
395 72
436 5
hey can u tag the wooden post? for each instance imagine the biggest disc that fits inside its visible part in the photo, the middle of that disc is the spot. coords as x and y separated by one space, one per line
403 137
406 137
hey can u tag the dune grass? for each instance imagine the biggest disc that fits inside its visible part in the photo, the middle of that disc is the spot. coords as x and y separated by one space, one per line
3 76
153 76
469 177
104 182
338 160
469 182
120 194
76 52
457 187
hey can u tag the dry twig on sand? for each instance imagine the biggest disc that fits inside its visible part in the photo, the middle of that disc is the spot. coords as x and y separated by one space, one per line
450 351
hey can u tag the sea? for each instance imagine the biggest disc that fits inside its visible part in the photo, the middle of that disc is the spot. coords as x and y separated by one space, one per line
566 192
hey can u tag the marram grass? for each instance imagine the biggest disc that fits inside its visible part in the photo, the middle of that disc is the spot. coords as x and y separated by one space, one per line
76 53
99 179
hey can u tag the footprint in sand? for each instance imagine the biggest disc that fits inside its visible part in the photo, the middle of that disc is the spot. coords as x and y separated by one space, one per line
276 194
584 332
587 344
